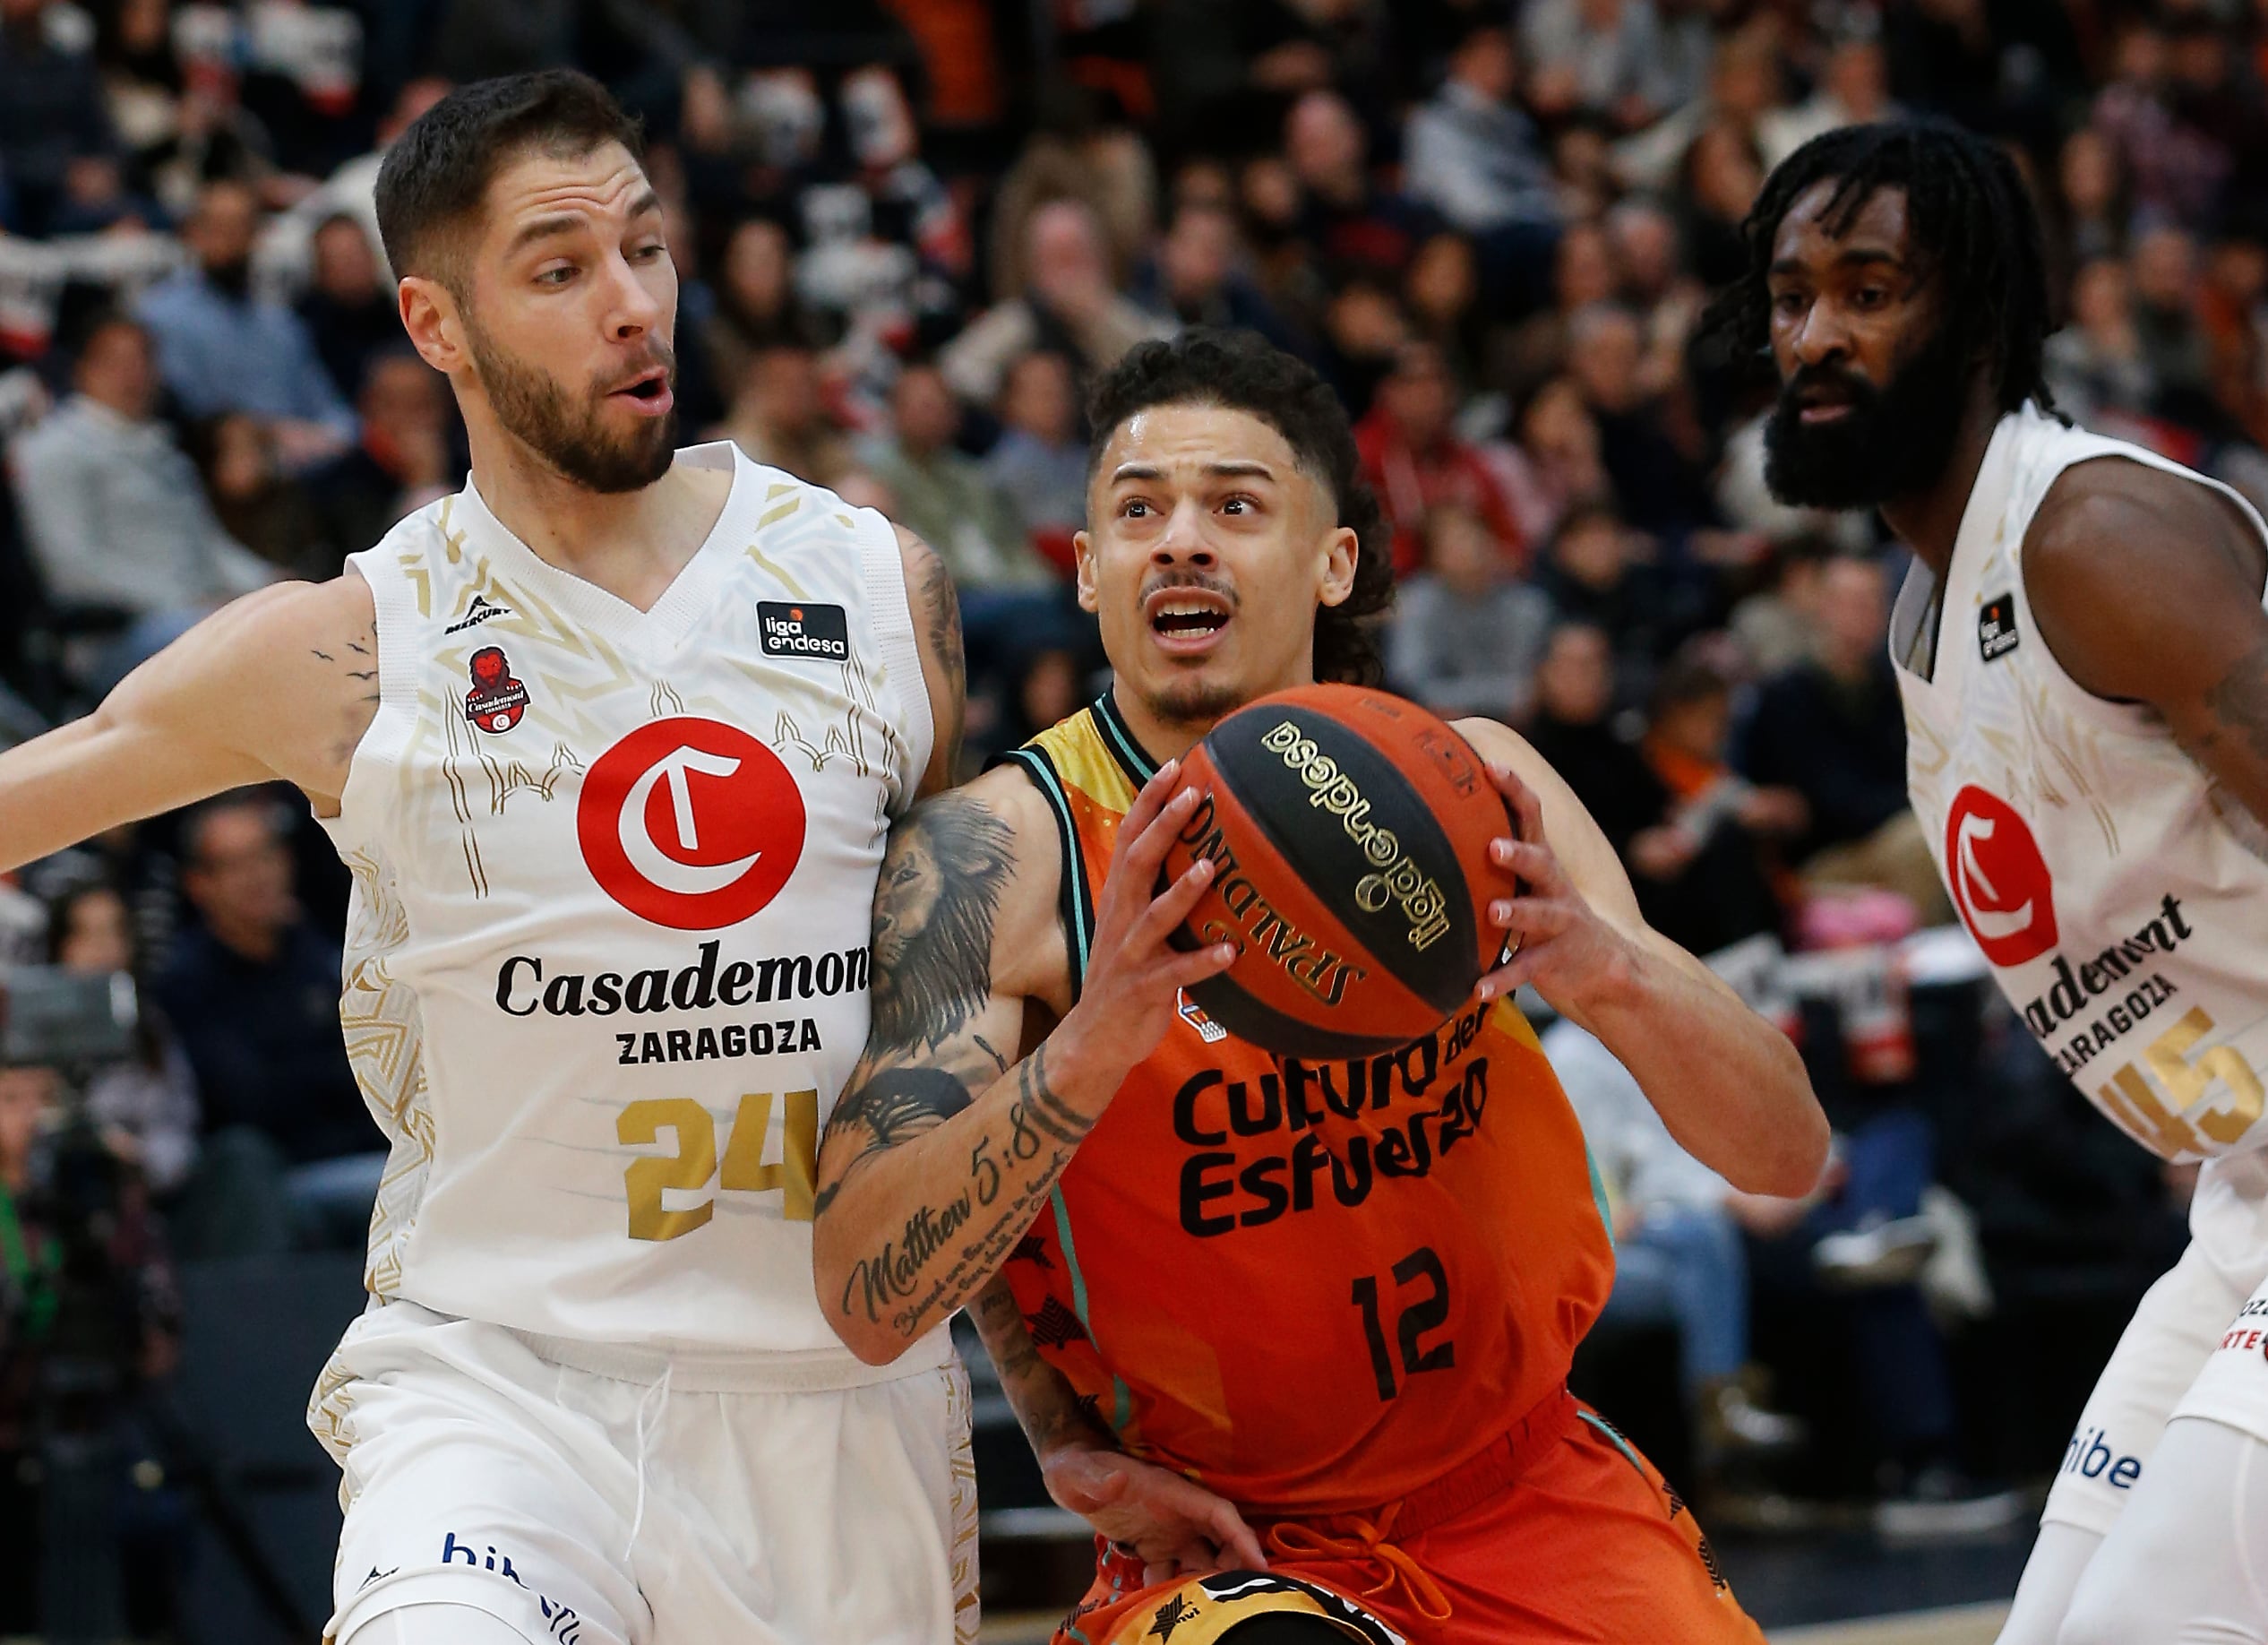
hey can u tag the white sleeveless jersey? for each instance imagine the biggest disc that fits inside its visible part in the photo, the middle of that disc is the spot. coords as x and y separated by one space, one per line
2119 896
606 966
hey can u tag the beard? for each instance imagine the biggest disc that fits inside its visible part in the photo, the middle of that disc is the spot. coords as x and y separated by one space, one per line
1895 442
534 409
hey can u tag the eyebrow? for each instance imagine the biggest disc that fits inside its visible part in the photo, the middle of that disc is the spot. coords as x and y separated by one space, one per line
1856 256
567 222
1225 470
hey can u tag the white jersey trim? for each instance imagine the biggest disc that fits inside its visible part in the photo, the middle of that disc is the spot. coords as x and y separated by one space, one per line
890 609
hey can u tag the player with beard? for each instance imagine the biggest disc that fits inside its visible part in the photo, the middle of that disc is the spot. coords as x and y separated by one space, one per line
2083 654
1343 1296
611 740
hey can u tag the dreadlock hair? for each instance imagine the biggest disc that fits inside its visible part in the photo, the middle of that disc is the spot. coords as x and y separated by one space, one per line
1238 371
1969 224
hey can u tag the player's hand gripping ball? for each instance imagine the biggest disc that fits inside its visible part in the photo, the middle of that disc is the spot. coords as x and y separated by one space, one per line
1349 832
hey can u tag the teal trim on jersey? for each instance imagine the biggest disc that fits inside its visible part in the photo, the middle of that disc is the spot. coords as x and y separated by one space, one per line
1121 1402
1118 737
1599 1196
1615 1440
1075 899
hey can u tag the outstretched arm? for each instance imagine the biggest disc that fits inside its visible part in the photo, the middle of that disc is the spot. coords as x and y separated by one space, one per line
943 1145
280 685
1729 1085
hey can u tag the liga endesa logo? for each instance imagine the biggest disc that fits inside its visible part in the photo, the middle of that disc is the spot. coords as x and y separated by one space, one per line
1999 881
689 823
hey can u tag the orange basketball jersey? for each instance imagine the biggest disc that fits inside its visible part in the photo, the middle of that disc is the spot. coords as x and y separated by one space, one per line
1314 1286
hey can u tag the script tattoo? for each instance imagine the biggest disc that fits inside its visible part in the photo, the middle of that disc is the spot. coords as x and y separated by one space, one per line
1046 1406
2239 701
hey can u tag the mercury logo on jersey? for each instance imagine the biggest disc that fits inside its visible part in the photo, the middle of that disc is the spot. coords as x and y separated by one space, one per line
1999 881
690 823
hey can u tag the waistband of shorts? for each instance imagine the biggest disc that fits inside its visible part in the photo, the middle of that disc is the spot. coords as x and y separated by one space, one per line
805 1370
1489 1472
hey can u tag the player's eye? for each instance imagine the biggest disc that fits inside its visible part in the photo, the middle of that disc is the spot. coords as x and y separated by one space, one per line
647 254
1788 303
1133 508
1872 296
1238 505
556 277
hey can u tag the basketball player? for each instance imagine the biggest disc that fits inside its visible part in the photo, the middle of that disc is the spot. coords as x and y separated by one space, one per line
1341 1295
611 740
2084 659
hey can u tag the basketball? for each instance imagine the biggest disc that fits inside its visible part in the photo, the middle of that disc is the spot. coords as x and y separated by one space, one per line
1350 832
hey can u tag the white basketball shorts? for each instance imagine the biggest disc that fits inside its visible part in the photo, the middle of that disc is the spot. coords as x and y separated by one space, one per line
621 1499
2183 1353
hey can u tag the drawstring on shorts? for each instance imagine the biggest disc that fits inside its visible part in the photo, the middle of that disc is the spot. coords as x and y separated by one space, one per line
656 1397
1368 1541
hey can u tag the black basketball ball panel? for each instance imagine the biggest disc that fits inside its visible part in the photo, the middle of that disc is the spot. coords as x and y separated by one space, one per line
1329 823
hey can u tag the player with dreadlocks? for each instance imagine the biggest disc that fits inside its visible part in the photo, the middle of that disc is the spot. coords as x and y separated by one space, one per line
2091 768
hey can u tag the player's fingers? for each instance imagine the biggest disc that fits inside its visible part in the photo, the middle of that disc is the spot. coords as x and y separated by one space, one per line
1150 801
1531 919
1171 906
1507 978
1239 1547
1183 969
1527 810
1160 1572
1148 849
1535 865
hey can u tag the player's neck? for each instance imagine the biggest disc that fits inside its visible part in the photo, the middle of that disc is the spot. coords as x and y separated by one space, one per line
632 544
1161 739
1929 521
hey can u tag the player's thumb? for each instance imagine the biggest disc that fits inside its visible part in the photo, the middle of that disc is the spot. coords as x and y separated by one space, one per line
1083 1482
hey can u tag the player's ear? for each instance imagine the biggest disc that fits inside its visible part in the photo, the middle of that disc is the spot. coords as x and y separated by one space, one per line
429 314
1083 548
1340 550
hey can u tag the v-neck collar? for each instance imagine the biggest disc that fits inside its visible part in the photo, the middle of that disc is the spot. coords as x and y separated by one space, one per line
1980 517
1119 737
682 603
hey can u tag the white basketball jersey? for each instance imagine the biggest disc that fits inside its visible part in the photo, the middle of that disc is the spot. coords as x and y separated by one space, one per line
606 966
2119 896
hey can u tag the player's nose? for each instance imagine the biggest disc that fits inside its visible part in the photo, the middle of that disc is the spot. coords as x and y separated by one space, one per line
1823 336
632 309
1184 541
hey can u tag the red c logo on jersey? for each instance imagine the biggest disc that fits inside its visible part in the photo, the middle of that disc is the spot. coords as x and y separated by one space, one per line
690 823
2000 882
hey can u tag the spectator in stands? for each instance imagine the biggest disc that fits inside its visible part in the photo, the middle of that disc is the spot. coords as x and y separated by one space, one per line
2165 320
1196 280
1039 462
53 116
1466 637
349 307
1474 157
1853 90
1678 1252
1832 730
1346 216
1557 462
1574 729
111 508
1774 627
1648 454
1441 295
756 302
780 415
144 1105
1719 179
1074 153
1415 461
1699 863
220 348
2088 209
1583 272
1599 57
1595 574
400 462
945 496
1068 304
2096 365
252 989
257 503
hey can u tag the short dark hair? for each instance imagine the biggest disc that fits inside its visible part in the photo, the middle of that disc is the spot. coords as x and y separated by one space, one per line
1239 371
437 172
1969 220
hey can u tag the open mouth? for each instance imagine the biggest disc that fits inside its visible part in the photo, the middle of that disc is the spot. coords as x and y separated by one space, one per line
1187 619
648 392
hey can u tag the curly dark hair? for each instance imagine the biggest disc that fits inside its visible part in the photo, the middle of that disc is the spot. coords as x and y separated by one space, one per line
1970 221
1239 371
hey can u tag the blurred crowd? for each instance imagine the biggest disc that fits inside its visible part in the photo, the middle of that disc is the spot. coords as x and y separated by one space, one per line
909 233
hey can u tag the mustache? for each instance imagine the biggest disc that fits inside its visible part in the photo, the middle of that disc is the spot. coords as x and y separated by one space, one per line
656 353
1827 380
1158 582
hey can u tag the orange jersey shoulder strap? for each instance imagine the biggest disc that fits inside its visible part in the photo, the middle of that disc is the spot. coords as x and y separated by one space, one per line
1089 768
